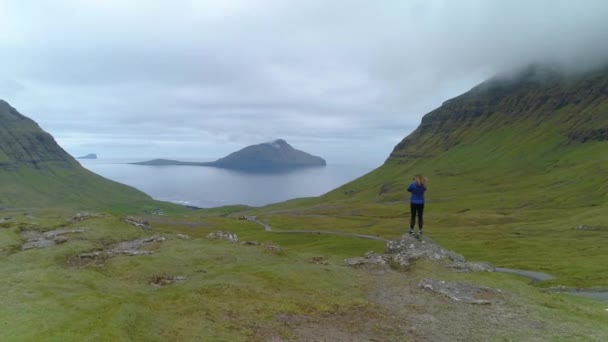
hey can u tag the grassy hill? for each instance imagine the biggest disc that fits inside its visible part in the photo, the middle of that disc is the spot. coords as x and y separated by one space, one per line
35 172
515 166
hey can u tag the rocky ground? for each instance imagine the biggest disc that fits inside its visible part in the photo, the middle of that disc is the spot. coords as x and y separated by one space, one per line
405 306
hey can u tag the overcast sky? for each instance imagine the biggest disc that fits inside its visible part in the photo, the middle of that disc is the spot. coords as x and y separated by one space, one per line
346 80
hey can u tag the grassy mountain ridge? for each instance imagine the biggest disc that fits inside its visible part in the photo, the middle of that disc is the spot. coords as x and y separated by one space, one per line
519 135
36 172
514 165
23 142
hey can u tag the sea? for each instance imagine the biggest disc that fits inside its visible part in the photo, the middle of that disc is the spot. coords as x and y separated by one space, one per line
207 187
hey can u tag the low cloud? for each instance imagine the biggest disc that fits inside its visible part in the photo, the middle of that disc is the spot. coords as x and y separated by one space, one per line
201 78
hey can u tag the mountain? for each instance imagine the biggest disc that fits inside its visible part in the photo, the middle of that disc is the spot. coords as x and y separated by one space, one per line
535 139
271 156
517 172
277 154
36 172
88 156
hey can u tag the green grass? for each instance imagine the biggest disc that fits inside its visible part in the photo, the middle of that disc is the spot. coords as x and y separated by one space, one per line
232 293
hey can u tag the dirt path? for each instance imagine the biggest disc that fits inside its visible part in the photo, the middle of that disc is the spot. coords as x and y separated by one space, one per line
268 228
535 276
400 310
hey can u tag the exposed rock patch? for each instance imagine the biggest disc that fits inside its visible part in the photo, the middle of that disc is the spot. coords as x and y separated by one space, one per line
370 258
138 222
83 216
272 247
318 260
250 243
461 292
130 248
227 236
160 280
183 236
34 239
408 249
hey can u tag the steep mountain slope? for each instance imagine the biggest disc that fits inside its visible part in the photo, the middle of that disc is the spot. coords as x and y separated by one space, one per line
36 172
536 139
518 176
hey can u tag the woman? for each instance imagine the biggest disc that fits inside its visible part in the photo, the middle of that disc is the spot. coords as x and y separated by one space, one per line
417 188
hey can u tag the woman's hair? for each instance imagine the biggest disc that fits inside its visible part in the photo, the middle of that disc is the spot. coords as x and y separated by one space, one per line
420 180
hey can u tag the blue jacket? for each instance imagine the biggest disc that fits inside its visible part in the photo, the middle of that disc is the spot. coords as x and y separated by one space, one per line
417 193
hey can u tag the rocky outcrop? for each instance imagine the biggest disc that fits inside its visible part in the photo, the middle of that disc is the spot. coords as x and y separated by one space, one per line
165 279
130 248
462 292
35 239
226 236
83 216
408 249
138 222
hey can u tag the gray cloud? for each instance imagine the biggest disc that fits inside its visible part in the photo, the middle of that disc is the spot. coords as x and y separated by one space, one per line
343 79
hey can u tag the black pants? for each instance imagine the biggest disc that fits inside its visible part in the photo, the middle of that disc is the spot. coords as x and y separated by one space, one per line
416 209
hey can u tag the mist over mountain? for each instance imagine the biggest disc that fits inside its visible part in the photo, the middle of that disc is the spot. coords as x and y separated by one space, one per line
537 99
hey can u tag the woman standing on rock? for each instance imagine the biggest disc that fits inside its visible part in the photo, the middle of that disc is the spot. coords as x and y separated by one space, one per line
417 188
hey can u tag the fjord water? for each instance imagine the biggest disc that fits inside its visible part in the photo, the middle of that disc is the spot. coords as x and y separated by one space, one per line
207 187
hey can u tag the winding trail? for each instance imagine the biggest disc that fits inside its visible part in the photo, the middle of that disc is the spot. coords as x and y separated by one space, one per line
268 228
535 276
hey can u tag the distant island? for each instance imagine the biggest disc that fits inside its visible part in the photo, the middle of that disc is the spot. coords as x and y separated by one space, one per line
88 156
271 156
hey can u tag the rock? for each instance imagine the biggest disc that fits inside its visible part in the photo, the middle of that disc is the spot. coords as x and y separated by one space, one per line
163 280
83 216
472 266
183 236
461 292
272 247
34 239
227 236
138 222
371 258
407 249
318 260
129 248
157 211
250 243
60 239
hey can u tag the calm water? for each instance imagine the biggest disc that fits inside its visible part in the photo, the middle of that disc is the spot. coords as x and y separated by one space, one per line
211 187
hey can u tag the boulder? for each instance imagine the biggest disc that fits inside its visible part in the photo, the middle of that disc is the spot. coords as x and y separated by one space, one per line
227 236
407 249
462 292
35 239
138 222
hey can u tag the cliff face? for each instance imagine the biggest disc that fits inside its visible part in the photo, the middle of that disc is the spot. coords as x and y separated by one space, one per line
534 100
23 142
